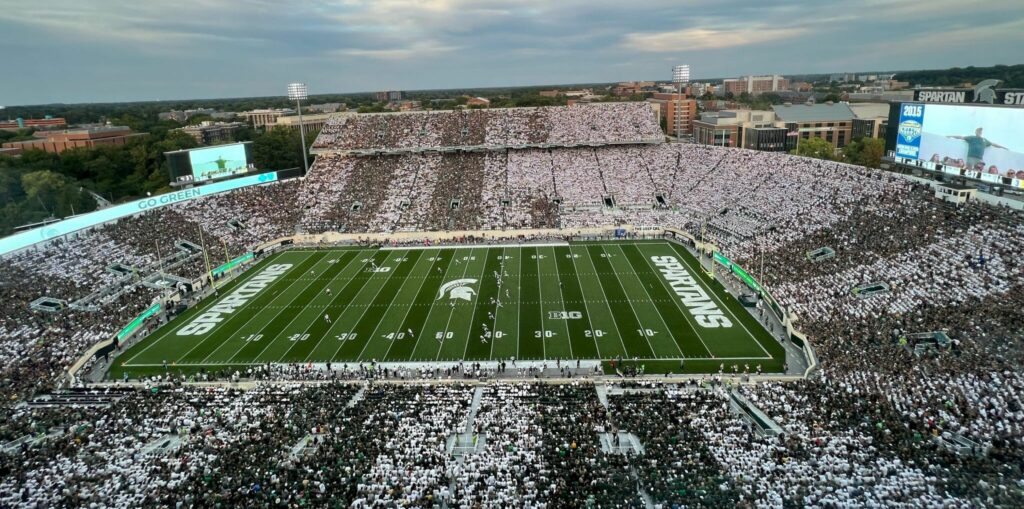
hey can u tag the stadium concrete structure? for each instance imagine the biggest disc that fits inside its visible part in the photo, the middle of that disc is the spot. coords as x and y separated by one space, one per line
911 396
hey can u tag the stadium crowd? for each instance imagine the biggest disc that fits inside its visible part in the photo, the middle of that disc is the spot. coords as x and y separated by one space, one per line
872 427
490 129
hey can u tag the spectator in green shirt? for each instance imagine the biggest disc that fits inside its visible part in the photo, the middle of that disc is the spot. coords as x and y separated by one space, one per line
976 146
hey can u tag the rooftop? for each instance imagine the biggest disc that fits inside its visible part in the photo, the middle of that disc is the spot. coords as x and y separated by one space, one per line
870 110
813 112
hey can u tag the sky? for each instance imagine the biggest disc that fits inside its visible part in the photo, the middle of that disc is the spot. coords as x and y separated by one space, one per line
128 50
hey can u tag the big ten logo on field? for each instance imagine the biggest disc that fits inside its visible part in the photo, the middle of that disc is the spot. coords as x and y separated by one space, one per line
564 315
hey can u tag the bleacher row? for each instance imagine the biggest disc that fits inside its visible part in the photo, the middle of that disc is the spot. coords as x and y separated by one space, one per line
584 124
521 445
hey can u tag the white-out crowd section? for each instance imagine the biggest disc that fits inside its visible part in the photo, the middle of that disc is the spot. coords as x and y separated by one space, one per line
869 428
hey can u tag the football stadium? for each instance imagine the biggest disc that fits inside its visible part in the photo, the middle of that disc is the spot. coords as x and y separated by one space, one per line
522 307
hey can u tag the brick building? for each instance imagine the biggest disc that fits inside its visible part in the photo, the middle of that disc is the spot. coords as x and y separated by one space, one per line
33 123
676 110
830 122
58 141
751 129
309 122
212 133
755 85
265 117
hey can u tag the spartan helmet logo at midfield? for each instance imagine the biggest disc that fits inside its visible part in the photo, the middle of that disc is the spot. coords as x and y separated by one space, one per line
459 289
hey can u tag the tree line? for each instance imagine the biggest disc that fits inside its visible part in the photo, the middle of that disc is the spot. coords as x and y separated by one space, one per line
861 151
39 186
1012 76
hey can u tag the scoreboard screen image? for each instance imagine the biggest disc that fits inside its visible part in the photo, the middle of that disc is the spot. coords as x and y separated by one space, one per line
982 139
207 163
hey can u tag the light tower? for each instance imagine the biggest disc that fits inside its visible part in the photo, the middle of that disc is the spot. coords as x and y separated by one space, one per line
680 76
297 92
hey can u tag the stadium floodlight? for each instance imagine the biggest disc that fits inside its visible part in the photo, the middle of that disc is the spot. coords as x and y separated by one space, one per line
298 92
680 76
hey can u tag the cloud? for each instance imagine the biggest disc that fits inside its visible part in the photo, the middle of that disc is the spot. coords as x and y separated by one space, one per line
418 49
152 27
220 48
997 34
690 39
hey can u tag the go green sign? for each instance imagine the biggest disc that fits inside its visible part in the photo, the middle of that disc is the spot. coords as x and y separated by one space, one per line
736 269
232 264
131 327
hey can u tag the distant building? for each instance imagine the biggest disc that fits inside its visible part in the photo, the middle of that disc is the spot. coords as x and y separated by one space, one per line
830 122
58 141
309 122
212 133
842 77
886 95
870 119
717 105
182 116
751 129
326 107
478 101
33 123
390 96
698 89
676 110
632 88
403 106
801 86
755 85
567 93
13 151
265 117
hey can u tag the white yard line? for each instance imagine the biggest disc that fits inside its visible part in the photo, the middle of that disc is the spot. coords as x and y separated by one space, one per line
561 297
611 315
712 294
366 308
433 307
683 311
590 324
207 303
475 246
391 304
271 341
494 323
427 363
540 306
637 316
483 274
211 335
451 313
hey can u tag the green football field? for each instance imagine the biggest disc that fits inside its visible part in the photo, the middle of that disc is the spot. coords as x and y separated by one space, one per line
647 300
